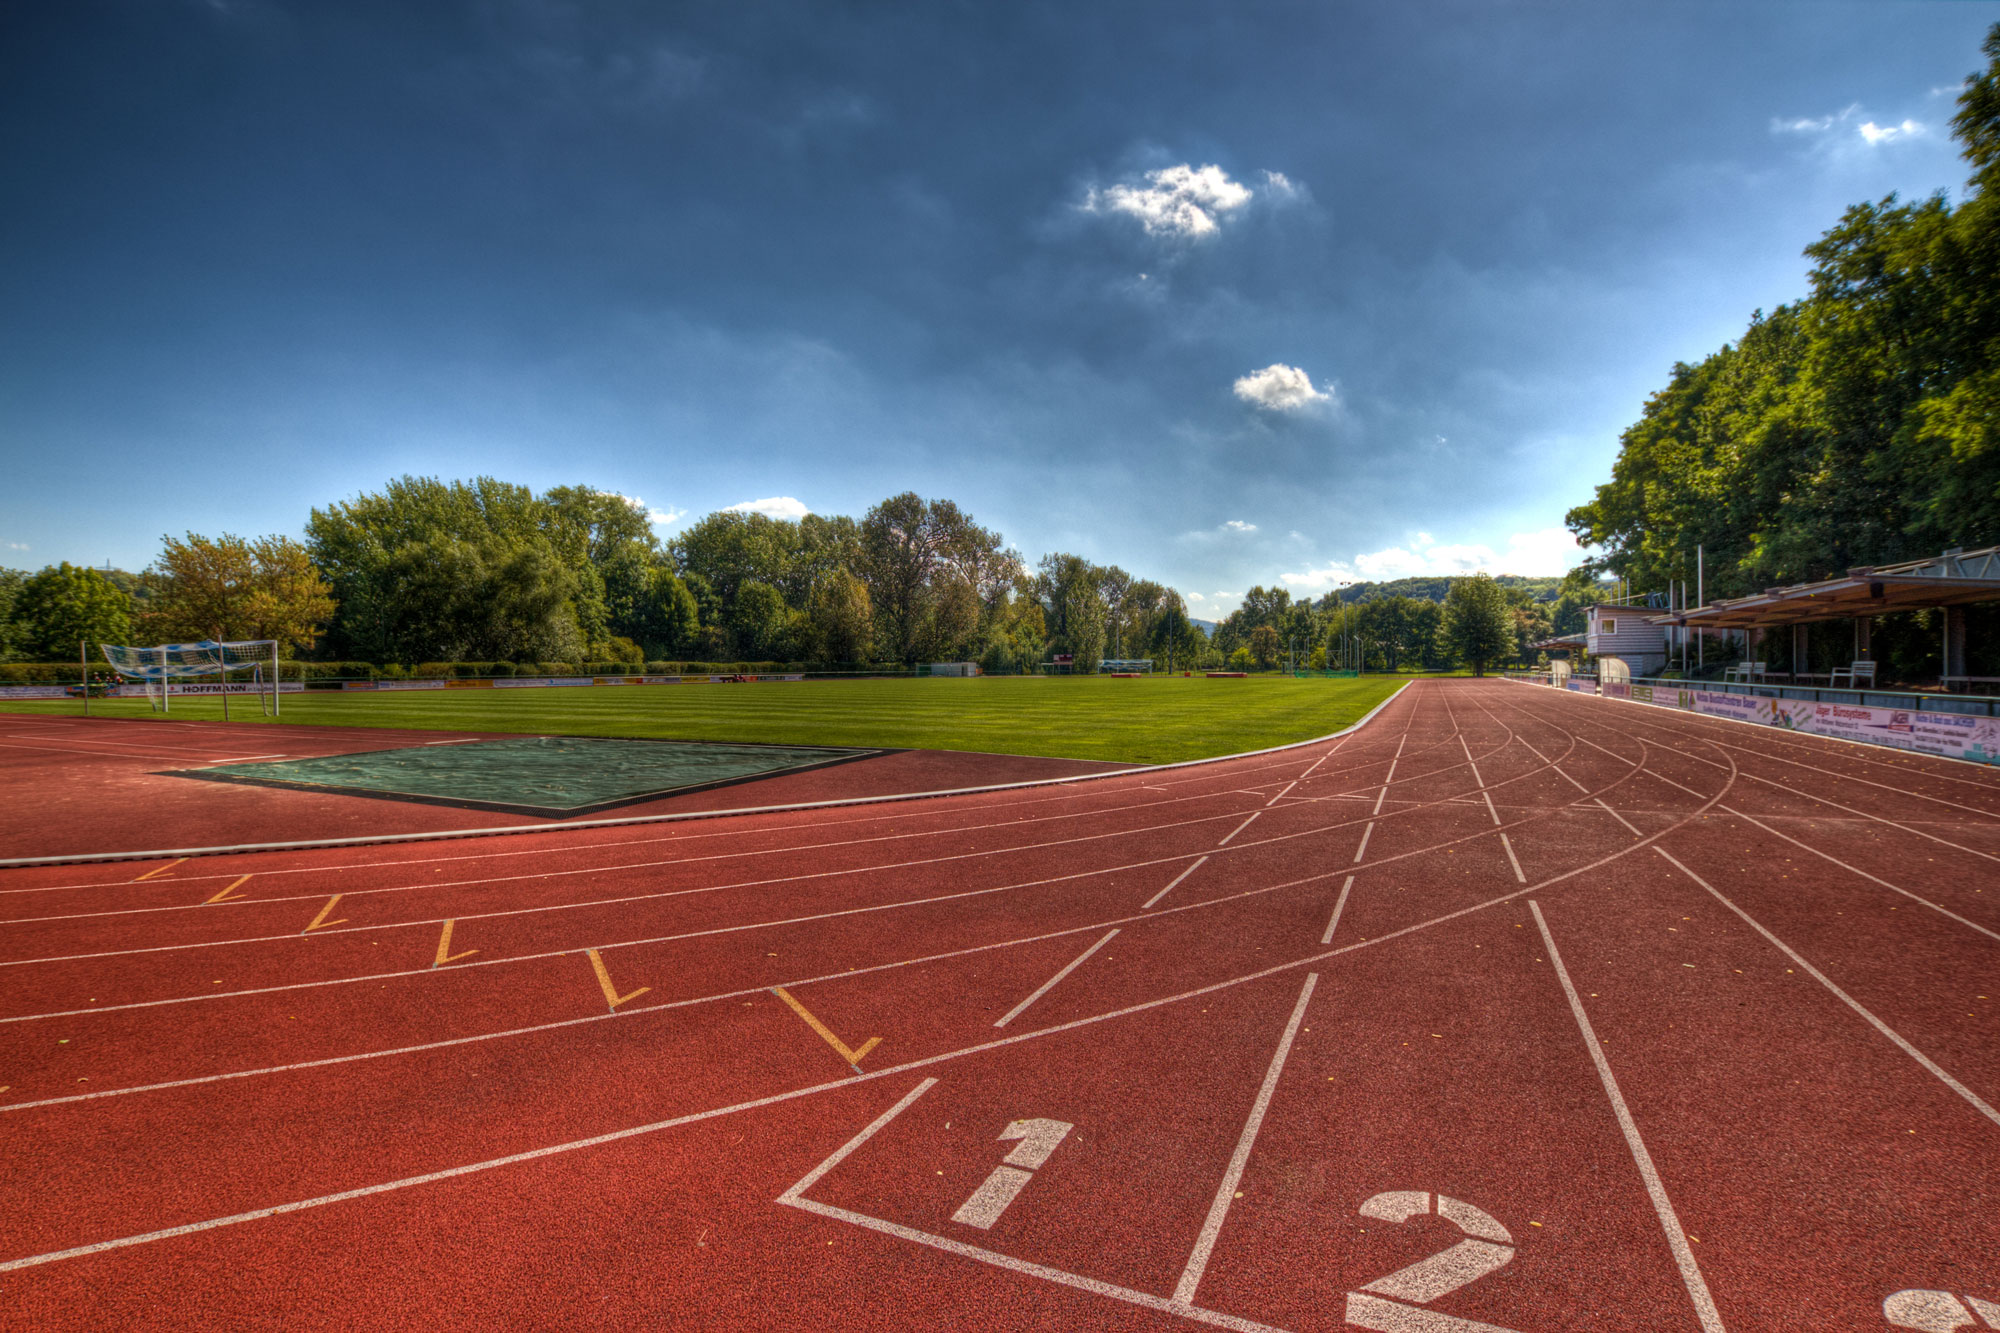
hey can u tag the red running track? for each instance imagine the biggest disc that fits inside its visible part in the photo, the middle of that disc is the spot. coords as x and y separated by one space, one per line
81 786
1510 1010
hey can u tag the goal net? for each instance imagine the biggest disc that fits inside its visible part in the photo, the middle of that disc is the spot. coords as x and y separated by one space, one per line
208 667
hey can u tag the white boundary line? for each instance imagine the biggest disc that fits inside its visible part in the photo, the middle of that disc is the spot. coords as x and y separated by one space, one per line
1339 906
78 858
846 1081
1050 984
1697 1288
1978 1103
1218 1211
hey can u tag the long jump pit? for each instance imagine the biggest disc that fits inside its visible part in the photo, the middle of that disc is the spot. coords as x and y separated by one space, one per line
90 787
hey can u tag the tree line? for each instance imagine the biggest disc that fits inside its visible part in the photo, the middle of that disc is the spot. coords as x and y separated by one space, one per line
427 570
1859 425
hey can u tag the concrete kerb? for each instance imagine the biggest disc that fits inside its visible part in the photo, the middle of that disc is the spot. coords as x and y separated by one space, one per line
439 835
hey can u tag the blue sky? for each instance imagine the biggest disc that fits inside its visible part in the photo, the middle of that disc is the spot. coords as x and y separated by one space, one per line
1224 293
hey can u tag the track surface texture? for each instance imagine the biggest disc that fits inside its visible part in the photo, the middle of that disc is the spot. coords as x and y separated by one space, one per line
82 785
1508 1010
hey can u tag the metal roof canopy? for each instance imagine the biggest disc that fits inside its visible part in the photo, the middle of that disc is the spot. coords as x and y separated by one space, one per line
1955 578
1562 641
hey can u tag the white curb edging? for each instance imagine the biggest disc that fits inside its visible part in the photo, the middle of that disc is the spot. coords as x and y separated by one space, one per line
379 839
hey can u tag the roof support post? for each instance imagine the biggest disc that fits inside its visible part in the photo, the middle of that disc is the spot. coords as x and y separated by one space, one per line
1954 641
1862 626
1799 659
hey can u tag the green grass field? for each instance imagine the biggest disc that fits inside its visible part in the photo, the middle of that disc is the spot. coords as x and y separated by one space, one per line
1154 720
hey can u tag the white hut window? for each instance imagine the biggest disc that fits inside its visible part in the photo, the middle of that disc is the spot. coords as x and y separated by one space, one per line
1607 626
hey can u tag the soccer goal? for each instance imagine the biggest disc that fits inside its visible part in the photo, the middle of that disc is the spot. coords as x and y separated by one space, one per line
208 667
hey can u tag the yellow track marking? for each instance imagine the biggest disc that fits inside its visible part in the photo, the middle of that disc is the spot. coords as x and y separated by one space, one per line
159 871
324 912
444 954
226 892
611 995
853 1057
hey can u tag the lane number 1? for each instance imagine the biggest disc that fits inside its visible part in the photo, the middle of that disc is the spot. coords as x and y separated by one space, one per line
1038 1139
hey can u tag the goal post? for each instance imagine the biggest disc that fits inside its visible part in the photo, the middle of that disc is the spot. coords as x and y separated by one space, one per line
170 668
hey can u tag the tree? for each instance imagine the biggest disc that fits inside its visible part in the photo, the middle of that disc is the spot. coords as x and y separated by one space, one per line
1070 590
427 570
12 632
1857 426
1264 646
930 569
65 606
1476 622
229 588
760 622
840 618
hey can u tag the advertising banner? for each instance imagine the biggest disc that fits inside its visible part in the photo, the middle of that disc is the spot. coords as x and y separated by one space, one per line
1949 735
35 691
190 687
409 684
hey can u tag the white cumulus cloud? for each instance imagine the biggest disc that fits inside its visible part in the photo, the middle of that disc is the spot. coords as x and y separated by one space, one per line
1543 553
1182 201
776 506
1281 388
657 516
1874 133
1238 525
17 546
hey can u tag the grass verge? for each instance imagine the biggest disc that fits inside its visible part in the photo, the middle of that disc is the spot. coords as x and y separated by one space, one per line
1153 720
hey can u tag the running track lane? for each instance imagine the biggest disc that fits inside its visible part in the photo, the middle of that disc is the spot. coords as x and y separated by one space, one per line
1637 1022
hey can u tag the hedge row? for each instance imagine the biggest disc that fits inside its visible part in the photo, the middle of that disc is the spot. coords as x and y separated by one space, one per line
50 673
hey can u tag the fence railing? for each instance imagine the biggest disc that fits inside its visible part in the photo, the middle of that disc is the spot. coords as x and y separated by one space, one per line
1971 705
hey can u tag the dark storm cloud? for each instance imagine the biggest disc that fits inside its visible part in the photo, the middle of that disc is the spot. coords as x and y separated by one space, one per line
1019 254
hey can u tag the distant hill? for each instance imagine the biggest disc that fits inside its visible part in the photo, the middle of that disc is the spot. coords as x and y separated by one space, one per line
1434 589
1207 626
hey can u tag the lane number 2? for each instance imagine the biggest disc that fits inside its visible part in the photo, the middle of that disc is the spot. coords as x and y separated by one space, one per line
1939 1311
1393 1304
1038 1139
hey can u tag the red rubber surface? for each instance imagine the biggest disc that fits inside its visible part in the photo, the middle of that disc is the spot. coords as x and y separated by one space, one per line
1784 949
83 785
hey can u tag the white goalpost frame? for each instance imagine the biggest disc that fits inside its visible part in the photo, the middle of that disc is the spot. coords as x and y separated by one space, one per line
159 666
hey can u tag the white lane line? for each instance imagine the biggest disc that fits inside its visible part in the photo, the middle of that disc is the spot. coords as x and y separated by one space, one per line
846 1081
1093 1285
1390 776
1977 1103
1281 793
1474 766
840 1154
850 803
1873 879
1339 906
1176 884
1620 818
1362 850
1239 828
1513 860
1049 985
1704 1304
1225 1193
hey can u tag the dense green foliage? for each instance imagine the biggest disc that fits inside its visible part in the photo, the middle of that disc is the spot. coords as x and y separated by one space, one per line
1476 623
1858 426
63 607
1157 720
